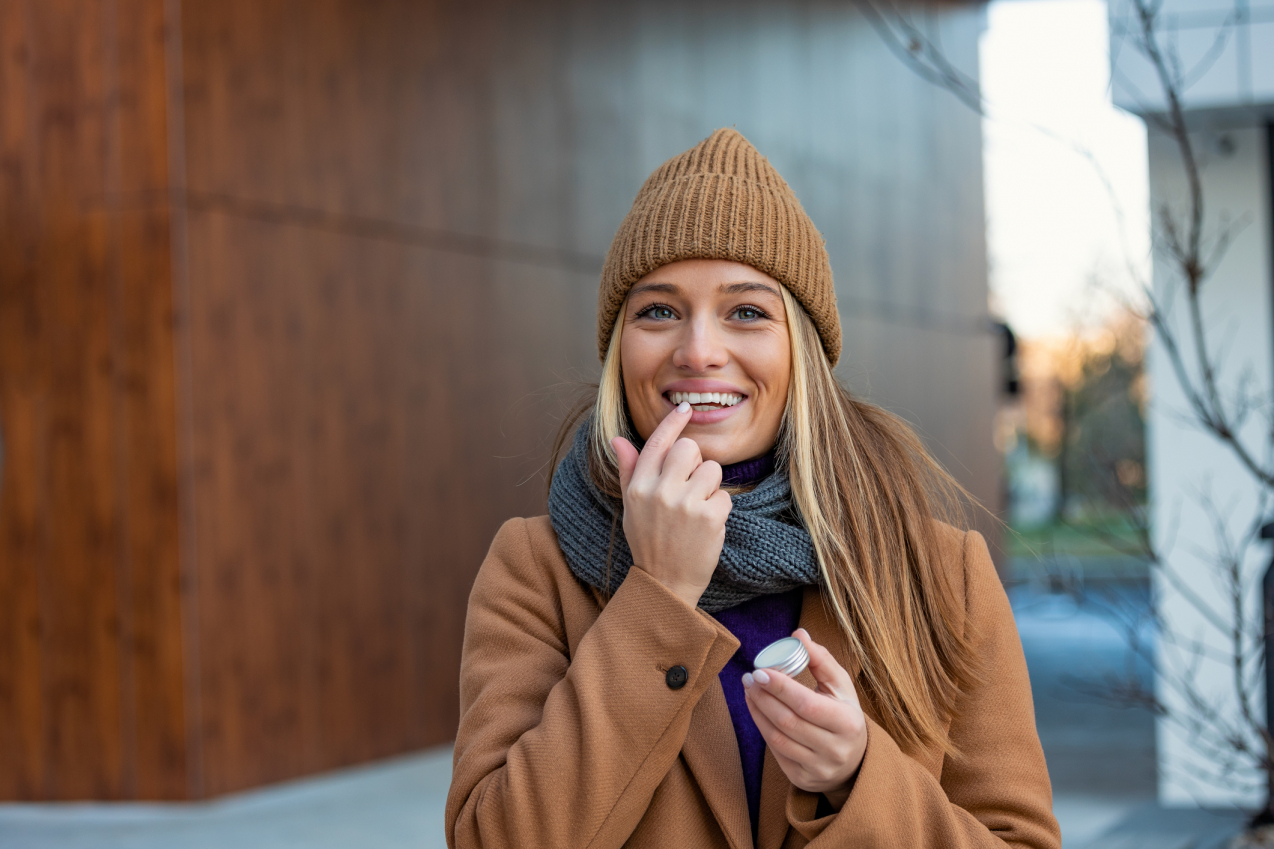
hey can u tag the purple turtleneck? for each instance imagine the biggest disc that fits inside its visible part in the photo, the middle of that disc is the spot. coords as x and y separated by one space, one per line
756 624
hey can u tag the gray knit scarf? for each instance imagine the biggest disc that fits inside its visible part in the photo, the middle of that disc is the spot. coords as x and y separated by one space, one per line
766 548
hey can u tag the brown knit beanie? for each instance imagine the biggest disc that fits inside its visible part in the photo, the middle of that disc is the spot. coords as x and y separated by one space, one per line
721 200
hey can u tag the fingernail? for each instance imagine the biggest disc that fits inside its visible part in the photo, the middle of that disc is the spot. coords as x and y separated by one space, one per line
683 407
802 631
761 676
747 680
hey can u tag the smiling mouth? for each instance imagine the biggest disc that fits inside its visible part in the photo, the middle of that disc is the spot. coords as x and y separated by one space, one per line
704 401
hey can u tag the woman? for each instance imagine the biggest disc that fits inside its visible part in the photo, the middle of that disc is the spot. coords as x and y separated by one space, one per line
725 492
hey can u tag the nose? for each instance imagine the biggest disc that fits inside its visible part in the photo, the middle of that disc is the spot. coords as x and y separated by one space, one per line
701 347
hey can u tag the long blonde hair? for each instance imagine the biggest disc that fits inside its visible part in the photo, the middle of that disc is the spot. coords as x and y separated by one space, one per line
869 493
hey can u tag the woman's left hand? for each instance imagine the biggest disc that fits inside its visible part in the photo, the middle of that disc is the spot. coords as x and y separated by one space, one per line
817 736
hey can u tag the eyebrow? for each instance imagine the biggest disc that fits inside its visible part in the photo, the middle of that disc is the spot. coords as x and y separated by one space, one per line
728 289
749 286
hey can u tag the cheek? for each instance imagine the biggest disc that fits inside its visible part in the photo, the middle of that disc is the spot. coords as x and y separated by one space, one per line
639 363
781 376
772 370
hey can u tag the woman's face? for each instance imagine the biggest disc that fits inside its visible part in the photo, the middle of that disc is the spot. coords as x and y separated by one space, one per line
708 327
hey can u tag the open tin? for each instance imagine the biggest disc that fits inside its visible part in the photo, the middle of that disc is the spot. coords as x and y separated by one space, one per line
787 655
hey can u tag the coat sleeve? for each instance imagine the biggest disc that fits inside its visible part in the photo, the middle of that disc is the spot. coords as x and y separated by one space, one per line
560 750
996 794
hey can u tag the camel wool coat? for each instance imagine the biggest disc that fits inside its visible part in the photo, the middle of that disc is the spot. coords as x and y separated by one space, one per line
571 735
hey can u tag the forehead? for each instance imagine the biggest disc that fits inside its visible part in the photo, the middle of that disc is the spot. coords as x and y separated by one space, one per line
692 278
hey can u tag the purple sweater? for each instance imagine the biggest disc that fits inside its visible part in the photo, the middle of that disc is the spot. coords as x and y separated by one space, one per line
756 624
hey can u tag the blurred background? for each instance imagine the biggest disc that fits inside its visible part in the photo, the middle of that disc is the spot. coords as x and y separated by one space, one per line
293 297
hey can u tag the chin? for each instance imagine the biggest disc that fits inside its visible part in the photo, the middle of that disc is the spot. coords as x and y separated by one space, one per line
724 452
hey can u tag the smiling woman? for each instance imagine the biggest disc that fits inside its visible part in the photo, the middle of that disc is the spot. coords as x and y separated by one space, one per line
722 492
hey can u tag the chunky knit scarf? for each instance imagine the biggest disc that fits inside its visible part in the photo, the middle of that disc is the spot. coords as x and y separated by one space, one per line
766 548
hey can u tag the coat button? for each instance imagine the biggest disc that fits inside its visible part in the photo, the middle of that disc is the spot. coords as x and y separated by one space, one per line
677 677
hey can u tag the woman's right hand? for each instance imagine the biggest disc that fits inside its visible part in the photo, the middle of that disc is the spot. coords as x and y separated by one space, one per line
674 507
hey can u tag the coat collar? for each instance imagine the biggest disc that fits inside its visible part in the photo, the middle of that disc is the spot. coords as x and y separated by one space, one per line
712 751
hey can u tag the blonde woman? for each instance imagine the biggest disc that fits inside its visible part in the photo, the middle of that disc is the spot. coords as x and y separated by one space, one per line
723 492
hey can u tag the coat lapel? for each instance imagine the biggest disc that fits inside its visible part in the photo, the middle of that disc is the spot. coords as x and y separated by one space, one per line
712 755
817 619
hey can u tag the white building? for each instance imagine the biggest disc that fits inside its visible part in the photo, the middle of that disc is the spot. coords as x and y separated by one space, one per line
1224 53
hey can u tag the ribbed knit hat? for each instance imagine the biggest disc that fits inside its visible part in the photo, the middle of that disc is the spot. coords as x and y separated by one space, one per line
721 200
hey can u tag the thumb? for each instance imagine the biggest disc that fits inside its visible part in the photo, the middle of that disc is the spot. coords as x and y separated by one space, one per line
832 678
626 455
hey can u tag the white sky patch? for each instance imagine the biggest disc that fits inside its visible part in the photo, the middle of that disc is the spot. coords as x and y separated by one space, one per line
1052 227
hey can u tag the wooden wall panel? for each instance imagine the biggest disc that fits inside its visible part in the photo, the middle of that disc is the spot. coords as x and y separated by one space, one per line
22 430
146 404
357 449
90 669
363 343
79 620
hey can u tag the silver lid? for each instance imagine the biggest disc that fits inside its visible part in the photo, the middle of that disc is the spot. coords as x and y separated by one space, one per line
787 655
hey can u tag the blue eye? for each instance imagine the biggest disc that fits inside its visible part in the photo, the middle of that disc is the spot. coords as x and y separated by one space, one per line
658 312
749 313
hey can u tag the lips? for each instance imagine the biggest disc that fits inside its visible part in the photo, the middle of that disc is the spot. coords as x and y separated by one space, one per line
711 401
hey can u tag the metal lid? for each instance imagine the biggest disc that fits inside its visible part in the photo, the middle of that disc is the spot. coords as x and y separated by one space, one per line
787 655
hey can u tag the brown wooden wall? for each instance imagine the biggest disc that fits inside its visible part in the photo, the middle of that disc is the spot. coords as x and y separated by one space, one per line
291 294
91 702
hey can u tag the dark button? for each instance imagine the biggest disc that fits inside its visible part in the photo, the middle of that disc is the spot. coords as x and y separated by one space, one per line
677 677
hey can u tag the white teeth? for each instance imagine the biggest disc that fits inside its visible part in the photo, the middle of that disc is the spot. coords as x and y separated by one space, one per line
724 399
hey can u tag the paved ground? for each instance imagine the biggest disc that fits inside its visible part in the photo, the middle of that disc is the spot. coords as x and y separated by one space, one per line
1101 759
1101 755
396 804
1152 827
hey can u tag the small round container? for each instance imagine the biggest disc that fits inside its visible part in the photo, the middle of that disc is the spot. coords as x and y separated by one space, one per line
787 655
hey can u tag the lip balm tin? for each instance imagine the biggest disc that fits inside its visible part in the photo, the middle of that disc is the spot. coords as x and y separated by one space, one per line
787 655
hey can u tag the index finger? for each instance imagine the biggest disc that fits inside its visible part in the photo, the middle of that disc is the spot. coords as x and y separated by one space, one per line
651 459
